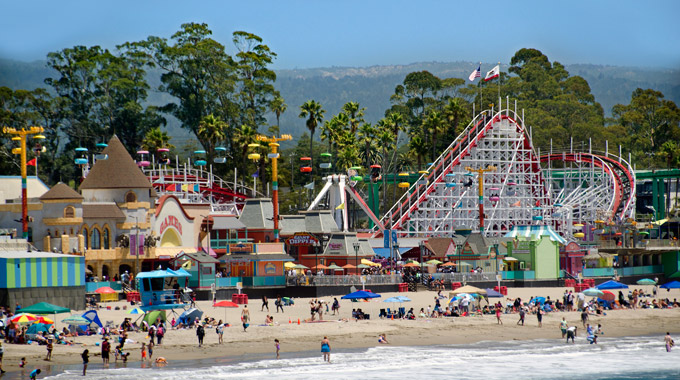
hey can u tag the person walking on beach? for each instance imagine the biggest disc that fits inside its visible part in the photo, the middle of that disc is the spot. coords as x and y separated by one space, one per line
245 317
539 316
336 306
265 303
498 313
106 349
563 327
669 342
277 346
160 333
150 348
50 347
279 304
86 359
326 349
220 332
584 316
200 333
522 314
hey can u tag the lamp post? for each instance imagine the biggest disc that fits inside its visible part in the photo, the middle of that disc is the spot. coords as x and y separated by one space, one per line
21 136
136 247
395 247
315 246
274 155
421 245
356 255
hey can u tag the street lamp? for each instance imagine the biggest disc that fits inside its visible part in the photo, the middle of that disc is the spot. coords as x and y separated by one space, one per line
356 255
315 246
421 244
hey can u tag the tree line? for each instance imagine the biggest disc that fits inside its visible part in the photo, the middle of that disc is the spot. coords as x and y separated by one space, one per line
225 100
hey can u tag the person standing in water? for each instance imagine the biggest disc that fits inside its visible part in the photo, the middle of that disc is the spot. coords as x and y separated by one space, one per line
86 359
277 345
245 317
669 342
326 349
563 327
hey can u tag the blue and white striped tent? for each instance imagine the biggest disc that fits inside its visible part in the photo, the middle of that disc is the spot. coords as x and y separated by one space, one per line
535 232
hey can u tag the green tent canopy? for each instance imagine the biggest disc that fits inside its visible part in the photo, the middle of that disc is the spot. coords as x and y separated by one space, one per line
45 308
151 316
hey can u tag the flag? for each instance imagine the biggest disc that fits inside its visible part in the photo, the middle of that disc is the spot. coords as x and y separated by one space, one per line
341 206
185 187
256 174
494 73
309 186
516 204
31 162
476 74
187 265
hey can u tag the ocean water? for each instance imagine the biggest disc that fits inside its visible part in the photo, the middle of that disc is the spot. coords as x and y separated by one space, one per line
612 358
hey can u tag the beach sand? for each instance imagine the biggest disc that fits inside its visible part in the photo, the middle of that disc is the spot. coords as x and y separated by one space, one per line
183 344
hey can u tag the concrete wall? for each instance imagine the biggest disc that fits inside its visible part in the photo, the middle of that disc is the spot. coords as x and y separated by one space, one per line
72 297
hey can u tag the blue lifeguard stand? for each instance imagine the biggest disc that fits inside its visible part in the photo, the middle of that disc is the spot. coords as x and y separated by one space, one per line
157 289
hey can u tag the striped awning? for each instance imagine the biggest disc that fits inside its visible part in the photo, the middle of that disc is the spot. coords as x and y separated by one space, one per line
535 232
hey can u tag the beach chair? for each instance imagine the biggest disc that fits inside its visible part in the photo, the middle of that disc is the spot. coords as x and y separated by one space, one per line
402 312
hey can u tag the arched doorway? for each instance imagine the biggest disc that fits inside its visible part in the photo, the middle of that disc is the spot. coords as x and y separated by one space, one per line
91 271
105 272
124 268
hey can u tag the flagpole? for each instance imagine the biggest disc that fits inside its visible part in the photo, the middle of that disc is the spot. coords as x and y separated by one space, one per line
499 83
479 84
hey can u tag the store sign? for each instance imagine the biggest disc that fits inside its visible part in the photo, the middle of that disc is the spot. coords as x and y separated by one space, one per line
269 268
335 246
171 221
243 248
302 239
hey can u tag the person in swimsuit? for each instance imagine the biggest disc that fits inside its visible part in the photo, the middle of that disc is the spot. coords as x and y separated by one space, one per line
563 327
382 339
277 346
669 342
539 315
143 351
245 317
86 359
326 349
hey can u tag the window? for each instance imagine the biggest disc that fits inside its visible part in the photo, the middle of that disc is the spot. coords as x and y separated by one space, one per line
95 240
86 235
206 270
106 238
130 197
70 212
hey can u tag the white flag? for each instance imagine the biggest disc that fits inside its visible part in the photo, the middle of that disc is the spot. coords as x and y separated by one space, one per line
494 73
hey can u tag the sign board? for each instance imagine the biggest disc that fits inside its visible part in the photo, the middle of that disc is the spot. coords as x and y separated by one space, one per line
239 285
499 277
171 221
246 248
335 246
363 279
302 239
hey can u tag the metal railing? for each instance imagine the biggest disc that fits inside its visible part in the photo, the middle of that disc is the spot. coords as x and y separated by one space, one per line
384 279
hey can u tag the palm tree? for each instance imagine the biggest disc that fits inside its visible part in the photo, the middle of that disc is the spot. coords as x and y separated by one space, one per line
242 137
385 141
156 139
454 111
329 132
355 113
433 123
279 107
314 114
418 148
367 135
211 130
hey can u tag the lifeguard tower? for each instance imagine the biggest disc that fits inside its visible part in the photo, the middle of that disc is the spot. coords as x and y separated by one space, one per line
160 289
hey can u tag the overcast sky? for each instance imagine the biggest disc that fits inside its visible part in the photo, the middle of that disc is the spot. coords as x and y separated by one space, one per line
363 33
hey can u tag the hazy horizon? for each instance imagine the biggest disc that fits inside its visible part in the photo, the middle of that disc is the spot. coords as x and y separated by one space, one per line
310 34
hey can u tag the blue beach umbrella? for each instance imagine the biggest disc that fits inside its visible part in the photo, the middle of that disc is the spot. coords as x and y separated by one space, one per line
360 294
671 285
611 284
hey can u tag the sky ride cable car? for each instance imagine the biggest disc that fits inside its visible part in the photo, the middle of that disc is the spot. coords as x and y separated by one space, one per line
143 158
82 160
164 159
306 168
199 158
375 172
325 165
221 155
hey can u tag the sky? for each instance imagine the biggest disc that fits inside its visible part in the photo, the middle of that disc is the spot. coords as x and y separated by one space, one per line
307 34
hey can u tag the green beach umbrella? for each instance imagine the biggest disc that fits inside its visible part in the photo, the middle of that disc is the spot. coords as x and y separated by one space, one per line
646 281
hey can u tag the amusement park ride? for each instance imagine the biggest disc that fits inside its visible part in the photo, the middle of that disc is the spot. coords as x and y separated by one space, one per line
516 185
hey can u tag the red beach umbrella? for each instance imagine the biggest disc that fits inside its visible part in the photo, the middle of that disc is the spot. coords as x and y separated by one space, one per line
105 290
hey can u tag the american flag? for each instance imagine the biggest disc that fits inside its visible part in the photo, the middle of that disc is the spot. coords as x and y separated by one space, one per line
476 74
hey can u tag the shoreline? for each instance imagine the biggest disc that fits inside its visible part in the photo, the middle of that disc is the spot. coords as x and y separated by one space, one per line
258 341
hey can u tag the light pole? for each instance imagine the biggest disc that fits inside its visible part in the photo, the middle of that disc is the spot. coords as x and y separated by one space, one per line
136 247
21 136
315 246
356 255
421 245
274 155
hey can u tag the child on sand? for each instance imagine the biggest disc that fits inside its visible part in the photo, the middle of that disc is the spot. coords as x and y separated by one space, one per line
34 374
143 352
277 346
50 346
22 363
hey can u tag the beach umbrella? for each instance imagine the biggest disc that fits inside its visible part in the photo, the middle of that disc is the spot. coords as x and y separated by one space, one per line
37 328
320 266
493 294
449 264
611 284
135 311
76 320
189 315
363 266
348 266
369 262
646 281
359 294
153 315
538 300
300 266
593 292
289 265
671 285
608 296
45 308
24 318
434 262
225 304
105 290
334 267
412 265
392 300
44 320
468 289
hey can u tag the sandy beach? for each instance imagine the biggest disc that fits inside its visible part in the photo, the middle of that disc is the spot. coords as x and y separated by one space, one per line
344 332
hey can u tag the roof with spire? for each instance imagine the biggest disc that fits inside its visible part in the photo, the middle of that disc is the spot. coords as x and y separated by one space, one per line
61 191
117 171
